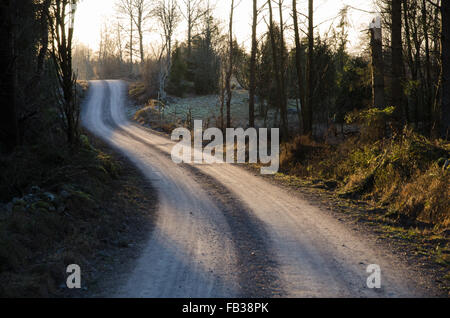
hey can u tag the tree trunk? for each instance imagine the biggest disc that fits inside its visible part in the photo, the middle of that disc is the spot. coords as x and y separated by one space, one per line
377 65
189 21
131 44
141 40
428 91
252 88
397 62
445 47
309 72
301 85
230 67
411 116
283 105
9 131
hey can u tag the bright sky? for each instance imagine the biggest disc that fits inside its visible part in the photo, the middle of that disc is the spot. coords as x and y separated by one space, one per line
92 14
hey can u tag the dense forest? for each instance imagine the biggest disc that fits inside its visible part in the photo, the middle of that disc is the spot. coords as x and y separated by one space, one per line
371 124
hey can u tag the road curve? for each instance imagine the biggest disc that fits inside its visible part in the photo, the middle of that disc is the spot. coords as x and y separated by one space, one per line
223 232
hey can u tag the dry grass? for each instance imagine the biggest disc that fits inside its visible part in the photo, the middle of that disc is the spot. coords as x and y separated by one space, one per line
81 206
403 174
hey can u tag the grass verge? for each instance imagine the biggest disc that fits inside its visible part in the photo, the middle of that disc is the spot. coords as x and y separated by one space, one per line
90 208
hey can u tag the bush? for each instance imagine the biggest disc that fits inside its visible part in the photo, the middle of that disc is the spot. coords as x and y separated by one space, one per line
372 122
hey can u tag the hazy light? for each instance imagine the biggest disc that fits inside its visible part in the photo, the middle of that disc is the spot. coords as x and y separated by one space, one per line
93 14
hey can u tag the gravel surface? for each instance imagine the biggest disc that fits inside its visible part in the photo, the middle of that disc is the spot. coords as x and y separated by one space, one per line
222 231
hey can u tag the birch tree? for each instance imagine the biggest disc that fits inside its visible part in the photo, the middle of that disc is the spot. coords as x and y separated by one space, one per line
167 14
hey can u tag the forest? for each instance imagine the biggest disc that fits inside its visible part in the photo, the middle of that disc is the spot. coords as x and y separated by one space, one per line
368 125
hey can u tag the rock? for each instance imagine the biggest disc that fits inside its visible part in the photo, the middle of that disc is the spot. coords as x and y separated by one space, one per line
9 207
64 194
17 201
61 208
35 189
29 198
49 197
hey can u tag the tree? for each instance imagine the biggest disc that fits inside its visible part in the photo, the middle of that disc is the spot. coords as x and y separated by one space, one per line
203 69
192 14
141 13
168 16
283 105
277 66
126 8
445 57
62 20
9 129
229 72
309 71
252 88
397 60
299 69
376 43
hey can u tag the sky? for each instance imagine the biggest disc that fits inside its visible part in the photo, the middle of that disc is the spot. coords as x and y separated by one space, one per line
93 14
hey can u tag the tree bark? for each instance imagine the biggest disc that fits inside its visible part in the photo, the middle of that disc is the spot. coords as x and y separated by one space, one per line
377 66
230 67
428 91
445 48
131 44
397 62
9 130
300 84
308 129
283 105
252 88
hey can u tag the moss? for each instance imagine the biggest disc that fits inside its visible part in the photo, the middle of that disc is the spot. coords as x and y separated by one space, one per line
447 277
42 205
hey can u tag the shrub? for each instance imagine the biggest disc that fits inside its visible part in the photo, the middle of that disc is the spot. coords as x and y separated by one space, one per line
372 121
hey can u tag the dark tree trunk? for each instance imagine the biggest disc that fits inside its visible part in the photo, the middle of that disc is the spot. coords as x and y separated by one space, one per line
397 62
9 131
252 88
283 104
445 47
428 91
276 67
131 45
298 65
230 68
411 116
309 72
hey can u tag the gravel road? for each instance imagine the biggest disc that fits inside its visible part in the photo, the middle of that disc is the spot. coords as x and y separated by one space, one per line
222 231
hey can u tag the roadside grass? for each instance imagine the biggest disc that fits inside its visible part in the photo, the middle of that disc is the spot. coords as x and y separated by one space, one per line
60 206
81 211
182 111
404 174
77 212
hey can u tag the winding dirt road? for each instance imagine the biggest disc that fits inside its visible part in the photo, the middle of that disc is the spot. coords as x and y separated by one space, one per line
221 231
